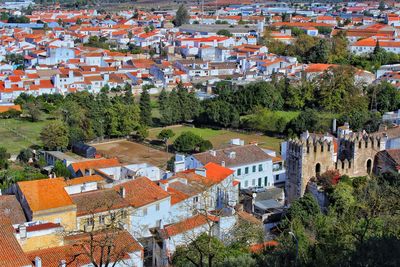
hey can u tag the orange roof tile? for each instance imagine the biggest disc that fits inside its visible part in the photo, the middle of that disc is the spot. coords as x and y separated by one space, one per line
11 253
84 179
45 194
95 164
188 224
7 108
142 191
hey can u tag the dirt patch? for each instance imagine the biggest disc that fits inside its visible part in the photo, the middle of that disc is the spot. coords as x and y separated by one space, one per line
131 152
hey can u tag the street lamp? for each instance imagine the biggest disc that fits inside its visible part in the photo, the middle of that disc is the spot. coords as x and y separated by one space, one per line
297 247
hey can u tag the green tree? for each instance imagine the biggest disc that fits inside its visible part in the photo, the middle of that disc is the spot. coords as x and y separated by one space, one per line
205 250
145 107
307 120
189 142
4 157
165 135
25 155
61 170
54 136
224 32
182 16
33 111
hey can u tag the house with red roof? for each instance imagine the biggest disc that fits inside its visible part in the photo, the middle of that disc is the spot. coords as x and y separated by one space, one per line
150 205
209 187
368 45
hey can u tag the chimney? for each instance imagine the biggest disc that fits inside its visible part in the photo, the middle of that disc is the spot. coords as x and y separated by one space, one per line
38 261
334 128
213 153
63 263
223 163
22 231
201 171
122 191
232 155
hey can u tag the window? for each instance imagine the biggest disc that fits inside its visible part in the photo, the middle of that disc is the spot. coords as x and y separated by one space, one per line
144 211
276 177
260 168
157 207
253 182
239 172
195 199
124 214
89 221
265 180
254 168
259 181
246 170
246 184
102 219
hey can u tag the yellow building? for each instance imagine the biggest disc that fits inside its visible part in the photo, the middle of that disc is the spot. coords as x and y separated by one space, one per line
47 200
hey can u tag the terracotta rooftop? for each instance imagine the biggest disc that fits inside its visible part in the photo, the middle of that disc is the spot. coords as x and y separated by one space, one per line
45 194
10 207
142 191
98 201
11 254
75 250
188 224
84 179
94 164
244 155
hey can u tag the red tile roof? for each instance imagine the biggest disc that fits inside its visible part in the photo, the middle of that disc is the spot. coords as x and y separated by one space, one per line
11 254
75 252
45 194
142 191
189 224
256 248
95 164
7 108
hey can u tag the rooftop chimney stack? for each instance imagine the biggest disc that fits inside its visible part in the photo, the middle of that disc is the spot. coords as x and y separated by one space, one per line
122 191
38 262
22 231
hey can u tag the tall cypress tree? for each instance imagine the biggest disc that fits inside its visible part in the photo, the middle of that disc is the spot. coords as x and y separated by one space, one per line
145 108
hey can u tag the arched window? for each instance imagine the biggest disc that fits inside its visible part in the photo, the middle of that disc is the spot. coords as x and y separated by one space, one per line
317 169
369 166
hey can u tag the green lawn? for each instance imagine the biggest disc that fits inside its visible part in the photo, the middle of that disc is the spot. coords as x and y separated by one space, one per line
16 134
221 138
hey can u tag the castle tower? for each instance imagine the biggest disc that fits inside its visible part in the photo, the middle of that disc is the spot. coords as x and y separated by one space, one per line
306 158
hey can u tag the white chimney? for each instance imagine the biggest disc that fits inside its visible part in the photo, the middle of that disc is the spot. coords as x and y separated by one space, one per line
63 263
22 231
232 155
122 191
201 171
38 261
223 163
213 153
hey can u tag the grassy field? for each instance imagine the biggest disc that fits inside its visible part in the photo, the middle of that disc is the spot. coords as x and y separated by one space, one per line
16 134
221 138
